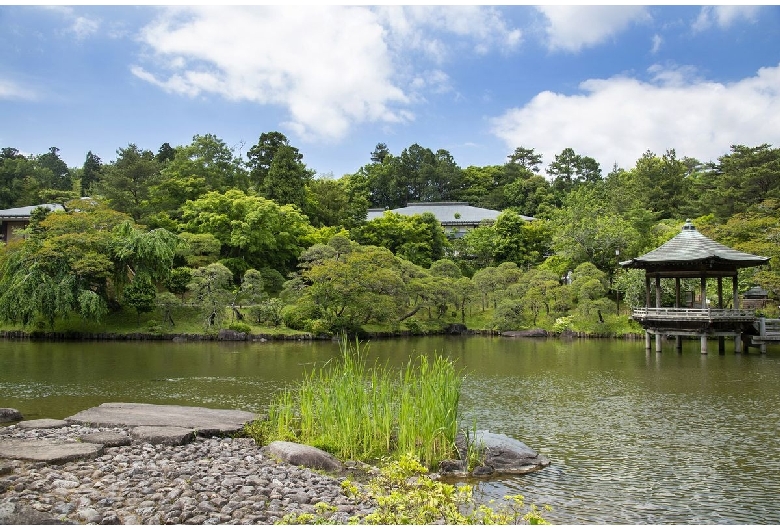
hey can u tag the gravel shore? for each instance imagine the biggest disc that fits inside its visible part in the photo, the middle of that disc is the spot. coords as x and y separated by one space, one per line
208 481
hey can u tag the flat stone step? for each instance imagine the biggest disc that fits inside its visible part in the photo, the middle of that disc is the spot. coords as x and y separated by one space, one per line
163 435
51 451
204 421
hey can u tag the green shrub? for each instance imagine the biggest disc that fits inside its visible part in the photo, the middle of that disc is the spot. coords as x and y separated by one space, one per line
240 327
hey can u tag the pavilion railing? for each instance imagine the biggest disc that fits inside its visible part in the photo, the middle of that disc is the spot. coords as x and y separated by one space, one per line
694 315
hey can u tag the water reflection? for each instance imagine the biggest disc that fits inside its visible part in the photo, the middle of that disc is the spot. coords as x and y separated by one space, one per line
634 437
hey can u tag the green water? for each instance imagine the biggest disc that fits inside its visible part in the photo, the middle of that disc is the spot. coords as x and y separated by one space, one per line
633 437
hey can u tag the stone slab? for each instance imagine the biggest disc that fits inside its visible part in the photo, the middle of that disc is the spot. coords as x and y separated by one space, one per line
206 422
51 451
107 439
44 423
163 435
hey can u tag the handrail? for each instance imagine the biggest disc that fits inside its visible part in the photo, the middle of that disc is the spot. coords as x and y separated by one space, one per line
684 313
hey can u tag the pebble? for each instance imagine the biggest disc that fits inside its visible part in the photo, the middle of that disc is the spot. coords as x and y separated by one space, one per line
208 481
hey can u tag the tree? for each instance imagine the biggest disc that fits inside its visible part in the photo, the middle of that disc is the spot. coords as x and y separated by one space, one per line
127 181
76 260
250 227
379 153
140 294
526 158
211 287
178 280
91 173
207 164
418 238
261 155
287 177
58 177
366 285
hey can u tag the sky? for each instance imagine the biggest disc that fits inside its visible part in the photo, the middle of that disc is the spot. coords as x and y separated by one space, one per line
610 82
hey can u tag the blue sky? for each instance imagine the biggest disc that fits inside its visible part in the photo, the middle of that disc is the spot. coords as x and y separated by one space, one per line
611 81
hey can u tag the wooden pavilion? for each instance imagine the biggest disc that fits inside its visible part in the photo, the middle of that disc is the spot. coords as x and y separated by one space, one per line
690 254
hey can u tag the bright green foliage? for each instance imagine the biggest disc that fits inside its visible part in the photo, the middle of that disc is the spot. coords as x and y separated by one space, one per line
417 238
77 261
361 286
361 413
405 495
249 227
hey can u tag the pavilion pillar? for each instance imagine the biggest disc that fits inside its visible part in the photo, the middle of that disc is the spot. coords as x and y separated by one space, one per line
704 292
678 343
647 340
657 291
704 344
677 292
658 343
647 291
735 305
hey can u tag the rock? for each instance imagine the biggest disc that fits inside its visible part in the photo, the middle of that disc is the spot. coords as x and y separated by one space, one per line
502 453
206 422
303 455
10 513
163 435
457 329
453 468
45 423
229 334
51 451
483 471
8 415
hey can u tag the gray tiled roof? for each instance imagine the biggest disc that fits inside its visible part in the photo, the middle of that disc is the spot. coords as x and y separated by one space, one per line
445 212
691 246
24 212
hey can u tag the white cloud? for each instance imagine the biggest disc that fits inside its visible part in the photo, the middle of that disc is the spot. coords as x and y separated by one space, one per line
618 119
657 42
572 28
330 67
724 16
14 91
83 27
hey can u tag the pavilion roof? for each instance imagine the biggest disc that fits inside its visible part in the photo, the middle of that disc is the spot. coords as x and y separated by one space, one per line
690 250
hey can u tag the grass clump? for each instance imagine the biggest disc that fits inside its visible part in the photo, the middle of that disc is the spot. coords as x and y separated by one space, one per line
361 413
404 494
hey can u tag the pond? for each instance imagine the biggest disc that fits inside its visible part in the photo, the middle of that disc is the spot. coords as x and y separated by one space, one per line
633 437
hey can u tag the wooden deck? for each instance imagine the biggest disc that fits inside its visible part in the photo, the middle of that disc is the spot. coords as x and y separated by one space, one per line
681 314
768 332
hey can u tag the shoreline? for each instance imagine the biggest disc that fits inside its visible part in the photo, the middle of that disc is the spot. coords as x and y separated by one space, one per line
226 335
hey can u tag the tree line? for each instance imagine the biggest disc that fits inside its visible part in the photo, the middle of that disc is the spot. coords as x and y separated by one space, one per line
263 235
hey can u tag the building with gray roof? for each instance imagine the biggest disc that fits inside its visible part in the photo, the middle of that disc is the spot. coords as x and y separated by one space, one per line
456 218
14 219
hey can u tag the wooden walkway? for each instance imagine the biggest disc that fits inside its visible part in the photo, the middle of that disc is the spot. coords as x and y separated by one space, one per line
768 332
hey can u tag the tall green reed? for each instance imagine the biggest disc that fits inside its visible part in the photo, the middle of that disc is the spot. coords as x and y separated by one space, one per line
359 413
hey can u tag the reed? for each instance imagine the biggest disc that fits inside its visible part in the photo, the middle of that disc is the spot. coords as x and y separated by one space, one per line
362 413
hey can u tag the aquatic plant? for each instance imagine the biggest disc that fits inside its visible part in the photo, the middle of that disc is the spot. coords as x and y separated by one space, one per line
362 413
